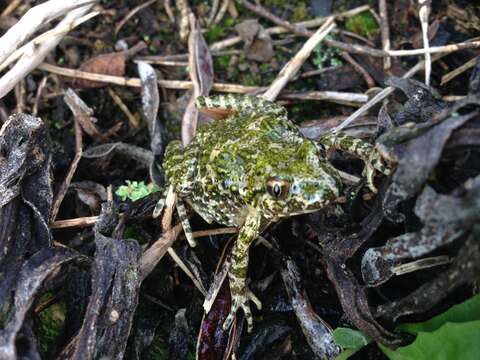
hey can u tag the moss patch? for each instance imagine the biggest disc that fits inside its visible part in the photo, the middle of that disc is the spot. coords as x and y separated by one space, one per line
363 24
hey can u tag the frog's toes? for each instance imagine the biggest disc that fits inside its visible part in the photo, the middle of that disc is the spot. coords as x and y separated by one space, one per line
374 163
242 301
369 173
158 207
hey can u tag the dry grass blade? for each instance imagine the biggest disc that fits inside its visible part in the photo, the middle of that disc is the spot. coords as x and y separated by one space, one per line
155 253
14 4
292 67
33 20
201 75
45 36
29 61
460 70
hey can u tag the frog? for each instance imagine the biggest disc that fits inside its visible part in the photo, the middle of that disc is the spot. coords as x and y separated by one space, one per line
251 167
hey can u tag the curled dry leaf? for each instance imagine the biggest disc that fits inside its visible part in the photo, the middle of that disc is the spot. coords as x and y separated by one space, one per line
445 219
150 105
107 64
422 103
201 74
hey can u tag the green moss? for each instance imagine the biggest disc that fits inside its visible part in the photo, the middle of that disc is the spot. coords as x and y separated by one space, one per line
363 24
215 33
324 56
300 12
222 61
276 3
49 324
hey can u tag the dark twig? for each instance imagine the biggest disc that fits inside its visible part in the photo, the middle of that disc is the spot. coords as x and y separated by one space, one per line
73 166
358 68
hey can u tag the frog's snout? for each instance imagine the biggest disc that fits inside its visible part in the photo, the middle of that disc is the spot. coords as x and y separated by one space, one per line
314 193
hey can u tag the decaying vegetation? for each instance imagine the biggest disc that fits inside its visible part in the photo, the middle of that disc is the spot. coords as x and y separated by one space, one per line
91 91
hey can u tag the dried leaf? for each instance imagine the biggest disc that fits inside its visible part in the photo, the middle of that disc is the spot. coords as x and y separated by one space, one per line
422 104
201 74
417 160
258 43
27 281
107 64
445 219
115 287
150 105
317 333
212 343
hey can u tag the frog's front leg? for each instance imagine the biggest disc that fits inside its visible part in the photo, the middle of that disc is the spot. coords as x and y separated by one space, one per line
237 273
187 229
362 149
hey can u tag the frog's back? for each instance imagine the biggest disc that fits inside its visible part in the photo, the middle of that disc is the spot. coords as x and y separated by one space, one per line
214 172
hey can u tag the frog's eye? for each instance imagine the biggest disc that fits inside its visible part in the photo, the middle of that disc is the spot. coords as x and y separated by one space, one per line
277 188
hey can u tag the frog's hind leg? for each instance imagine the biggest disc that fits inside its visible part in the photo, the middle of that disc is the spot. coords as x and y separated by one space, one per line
182 214
221 106
362 149
237 273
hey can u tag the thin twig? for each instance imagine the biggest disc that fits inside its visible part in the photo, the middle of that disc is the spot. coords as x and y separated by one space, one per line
222 11
423 13
184 9
354 48
157 251
276 30
292 67
385 32
71 171
11 7
169 11
130 14
45 36
461 69
133 121
333 96
38 95
211 232
75 223
186 270
358 68
213 11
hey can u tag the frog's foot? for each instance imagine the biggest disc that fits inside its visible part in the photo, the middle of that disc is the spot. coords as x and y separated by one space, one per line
373 163
241 300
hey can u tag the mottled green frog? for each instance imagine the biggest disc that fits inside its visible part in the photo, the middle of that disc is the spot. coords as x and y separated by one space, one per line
254 167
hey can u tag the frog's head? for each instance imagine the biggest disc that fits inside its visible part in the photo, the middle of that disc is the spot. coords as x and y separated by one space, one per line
303 184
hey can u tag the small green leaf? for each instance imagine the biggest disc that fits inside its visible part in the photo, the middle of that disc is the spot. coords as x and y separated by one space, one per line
450 341
350 338
454 334
135 190
464 312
